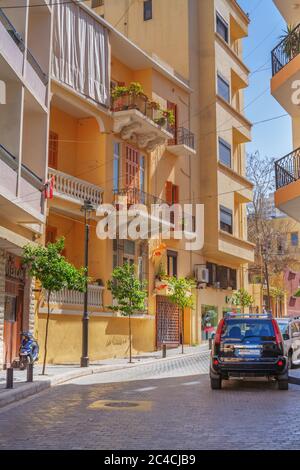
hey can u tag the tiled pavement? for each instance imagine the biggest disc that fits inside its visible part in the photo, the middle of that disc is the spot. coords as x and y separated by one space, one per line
172 407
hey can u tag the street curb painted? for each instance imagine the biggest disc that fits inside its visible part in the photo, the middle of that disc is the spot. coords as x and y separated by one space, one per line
29 389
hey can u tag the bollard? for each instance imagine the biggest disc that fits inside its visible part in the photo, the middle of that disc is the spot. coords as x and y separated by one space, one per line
210 343
164 350
30 372
9 377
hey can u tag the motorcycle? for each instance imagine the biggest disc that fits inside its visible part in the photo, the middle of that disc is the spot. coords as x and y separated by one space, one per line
29 350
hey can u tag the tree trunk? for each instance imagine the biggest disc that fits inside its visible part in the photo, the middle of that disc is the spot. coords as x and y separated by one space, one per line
46 333
130 346
268 283
182 331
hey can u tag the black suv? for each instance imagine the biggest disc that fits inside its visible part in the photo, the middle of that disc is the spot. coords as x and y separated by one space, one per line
248 345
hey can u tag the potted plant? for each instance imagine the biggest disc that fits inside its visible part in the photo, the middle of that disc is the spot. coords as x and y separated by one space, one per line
117 96
291 41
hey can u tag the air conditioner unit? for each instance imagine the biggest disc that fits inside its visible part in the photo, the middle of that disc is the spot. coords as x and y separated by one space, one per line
201 274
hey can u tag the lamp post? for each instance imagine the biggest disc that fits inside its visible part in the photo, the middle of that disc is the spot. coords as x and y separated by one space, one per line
87 208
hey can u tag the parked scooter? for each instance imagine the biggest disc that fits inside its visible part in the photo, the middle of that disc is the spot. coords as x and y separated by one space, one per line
29 350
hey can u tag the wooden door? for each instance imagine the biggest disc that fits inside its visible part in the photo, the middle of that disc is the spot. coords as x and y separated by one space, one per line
132 172
13 319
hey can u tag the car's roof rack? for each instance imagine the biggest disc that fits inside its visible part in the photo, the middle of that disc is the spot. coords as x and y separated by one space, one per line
247 315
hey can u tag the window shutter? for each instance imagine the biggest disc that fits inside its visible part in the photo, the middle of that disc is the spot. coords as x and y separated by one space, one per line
169 187
175 194
53 150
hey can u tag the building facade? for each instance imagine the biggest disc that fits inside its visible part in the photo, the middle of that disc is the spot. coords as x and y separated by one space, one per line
24 112
284 87
208 54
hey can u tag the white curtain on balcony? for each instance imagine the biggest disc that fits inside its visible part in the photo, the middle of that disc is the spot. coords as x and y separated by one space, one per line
80 52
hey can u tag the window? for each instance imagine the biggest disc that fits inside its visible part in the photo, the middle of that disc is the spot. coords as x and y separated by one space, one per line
294 239
226 219
222 276
116 166
147 10
224 152
97 3
222 27
129 252
223 88
53 150
172 263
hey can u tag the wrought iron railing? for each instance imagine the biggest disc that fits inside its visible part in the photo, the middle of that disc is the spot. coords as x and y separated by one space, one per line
286 50
287 169
183 137
136 196
75 188
140 103
12 31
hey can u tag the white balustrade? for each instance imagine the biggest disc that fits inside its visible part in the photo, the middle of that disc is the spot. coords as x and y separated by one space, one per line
75 188
71 297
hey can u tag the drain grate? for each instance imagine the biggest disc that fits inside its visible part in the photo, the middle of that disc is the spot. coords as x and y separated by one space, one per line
121 404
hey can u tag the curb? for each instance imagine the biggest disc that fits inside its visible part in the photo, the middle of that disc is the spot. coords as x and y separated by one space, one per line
28 389
294 380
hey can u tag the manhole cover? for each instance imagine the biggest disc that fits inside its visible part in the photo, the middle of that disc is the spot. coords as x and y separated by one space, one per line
121 404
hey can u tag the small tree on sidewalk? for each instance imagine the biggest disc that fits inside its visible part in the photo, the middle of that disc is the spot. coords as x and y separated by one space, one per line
242 299
129 294
182 296
50 268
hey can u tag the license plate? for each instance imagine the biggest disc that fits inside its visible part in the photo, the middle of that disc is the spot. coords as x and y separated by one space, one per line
248 352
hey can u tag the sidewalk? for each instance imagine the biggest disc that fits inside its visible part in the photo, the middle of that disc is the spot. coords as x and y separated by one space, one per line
58 374
294 376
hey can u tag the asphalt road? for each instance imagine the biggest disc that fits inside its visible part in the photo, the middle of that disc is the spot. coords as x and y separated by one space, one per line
163 406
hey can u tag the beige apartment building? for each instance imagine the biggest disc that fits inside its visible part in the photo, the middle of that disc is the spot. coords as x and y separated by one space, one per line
208 55
25 39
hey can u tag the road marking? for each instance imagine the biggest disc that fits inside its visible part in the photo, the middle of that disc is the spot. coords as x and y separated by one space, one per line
121 405
146 389
196 382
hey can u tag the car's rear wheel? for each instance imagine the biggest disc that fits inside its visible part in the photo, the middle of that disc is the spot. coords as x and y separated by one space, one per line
216 383
283 382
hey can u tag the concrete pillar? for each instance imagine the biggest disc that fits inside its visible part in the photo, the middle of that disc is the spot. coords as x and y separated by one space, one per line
2 303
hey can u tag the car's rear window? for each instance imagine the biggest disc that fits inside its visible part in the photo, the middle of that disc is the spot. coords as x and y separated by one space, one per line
241 329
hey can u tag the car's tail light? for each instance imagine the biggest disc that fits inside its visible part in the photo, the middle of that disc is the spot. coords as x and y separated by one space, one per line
278 336
216 362
280 363
219 332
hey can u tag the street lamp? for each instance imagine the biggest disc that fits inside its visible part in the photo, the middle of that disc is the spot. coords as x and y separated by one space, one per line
87 208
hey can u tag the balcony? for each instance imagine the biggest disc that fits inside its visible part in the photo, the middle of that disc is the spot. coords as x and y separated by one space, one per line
36 78
158 223
289 10
138 122
69 298
285 70
287 176
183 143
12 44
74 190
21 194
235 249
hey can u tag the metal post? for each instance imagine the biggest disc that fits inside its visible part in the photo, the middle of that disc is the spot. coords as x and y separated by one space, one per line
9 377
164 350
30 372
84 361
210 343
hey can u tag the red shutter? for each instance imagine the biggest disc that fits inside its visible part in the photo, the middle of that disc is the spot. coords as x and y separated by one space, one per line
53 150
175 195
169 187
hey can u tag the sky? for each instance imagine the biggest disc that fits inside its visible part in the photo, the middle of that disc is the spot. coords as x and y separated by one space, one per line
272 139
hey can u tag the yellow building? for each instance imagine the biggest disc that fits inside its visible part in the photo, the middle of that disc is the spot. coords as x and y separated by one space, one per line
285 88
208 54
104 150
24 113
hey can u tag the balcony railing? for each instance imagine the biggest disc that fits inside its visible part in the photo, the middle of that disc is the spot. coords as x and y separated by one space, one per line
140 103
12 31
8 158
287 169
75 188
37 68
183 137
70 297
136 196
286 50
26 172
